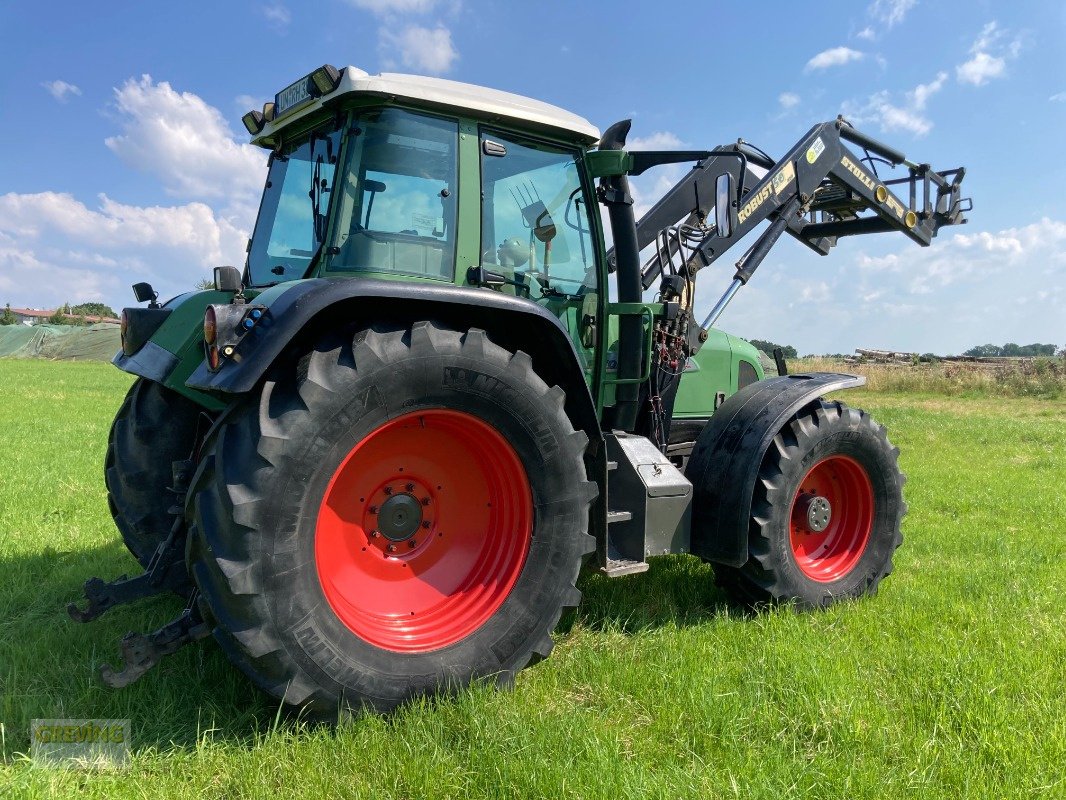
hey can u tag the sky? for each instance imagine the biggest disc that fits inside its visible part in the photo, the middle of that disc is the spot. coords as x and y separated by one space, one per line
123 158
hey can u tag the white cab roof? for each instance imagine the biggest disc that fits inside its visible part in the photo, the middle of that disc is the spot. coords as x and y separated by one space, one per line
446 94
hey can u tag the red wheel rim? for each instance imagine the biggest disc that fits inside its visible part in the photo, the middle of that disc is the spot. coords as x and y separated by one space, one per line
423 530
829 554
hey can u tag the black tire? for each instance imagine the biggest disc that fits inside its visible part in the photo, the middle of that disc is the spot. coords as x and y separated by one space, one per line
823 432
153 428
255 503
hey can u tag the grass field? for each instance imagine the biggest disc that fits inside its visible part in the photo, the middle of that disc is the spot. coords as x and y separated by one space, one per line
950 683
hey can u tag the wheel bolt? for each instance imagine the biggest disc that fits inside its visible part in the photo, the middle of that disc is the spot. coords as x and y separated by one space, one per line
425 501
373 509
410 487
374 534
391 548
412 544
388 490
425 524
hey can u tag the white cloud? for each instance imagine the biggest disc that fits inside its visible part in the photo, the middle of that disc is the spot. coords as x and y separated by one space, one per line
894 116
245 102
184 142
61 90
54 248
980 69
788 100
886 292
866 33
277 14
989 55
660 140
919 96
385 7
833 57
891 12
1058 97
422 49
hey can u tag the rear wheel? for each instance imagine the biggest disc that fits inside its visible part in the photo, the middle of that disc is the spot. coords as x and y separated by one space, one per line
153 428
396 515
826 511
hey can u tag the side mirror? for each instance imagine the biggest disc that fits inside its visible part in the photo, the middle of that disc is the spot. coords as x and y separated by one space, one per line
723 205
227 279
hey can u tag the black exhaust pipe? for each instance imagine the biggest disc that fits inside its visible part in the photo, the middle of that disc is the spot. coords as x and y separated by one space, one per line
614 193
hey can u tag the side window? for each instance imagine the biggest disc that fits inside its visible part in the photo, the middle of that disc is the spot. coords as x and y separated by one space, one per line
397 208
535 218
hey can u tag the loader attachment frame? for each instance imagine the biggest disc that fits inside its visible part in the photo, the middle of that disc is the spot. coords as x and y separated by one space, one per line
821 189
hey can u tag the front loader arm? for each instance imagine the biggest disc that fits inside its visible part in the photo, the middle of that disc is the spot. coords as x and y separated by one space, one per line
818 192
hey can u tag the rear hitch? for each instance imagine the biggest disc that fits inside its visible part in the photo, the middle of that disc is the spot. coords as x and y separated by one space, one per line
164 574
141 652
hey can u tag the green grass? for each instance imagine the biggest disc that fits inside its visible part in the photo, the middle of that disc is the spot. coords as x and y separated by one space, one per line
950 683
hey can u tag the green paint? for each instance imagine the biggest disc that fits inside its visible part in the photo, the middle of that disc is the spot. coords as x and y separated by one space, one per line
714 369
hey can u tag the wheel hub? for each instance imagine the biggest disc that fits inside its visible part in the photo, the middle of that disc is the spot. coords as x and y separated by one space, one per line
423 530
400 517
816 512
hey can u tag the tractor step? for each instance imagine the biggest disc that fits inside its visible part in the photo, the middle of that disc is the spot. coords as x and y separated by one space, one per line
619 516
165 573
141 652
616 569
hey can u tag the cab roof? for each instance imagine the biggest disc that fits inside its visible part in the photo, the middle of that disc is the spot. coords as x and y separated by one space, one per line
479 101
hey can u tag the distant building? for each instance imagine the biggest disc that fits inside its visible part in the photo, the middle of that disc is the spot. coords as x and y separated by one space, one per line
35 316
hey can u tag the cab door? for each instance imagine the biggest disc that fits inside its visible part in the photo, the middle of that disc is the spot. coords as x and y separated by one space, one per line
537 230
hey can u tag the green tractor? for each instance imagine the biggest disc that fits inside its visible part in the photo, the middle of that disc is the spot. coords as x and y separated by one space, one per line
374 461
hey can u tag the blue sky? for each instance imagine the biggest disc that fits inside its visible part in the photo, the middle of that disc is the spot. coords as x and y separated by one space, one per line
122 156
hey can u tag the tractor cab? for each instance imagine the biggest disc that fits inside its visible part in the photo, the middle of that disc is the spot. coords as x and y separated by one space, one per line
397 177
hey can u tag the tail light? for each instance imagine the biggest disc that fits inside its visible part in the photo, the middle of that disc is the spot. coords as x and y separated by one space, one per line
226 326
210 326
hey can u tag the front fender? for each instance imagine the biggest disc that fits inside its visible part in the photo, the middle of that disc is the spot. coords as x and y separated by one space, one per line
726 459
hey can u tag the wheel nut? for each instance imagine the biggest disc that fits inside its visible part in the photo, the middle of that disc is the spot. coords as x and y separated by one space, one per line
425 523
391 548
388 490
425 501
374 534
410 487
373 509
412 544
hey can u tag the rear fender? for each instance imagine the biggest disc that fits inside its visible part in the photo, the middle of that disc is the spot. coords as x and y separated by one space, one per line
298 314
726 459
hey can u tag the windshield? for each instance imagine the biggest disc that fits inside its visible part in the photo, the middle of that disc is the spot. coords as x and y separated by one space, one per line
294 210
397 200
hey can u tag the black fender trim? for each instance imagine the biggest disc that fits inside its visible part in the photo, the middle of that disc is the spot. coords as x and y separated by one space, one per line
726 459
513 322
150 361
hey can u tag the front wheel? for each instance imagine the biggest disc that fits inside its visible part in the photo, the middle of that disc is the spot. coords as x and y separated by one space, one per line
398 514
825 514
